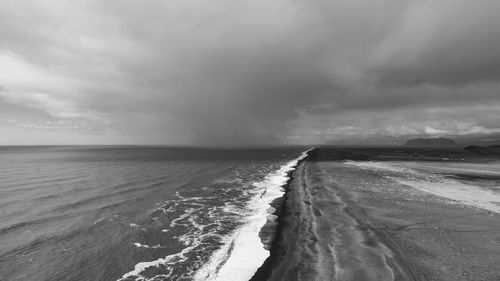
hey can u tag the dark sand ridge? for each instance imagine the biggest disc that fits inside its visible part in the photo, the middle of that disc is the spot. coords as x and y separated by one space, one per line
343 223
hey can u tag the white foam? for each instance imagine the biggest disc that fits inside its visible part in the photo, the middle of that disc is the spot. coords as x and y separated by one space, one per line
231 261
243 252
99 220
171 259
467 194
139 245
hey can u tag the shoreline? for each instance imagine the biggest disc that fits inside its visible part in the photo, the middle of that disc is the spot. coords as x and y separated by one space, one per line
280 205
339 222
231 261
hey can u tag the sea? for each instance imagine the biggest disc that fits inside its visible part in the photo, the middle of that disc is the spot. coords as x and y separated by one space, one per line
138 212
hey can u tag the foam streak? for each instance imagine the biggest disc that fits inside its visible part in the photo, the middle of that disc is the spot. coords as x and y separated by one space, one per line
244 252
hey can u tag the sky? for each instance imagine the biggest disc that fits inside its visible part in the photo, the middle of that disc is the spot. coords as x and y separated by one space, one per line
243 72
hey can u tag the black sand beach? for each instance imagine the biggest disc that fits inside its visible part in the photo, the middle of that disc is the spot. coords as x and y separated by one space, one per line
340 222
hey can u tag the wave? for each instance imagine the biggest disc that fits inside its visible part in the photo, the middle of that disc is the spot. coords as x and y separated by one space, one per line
243 252
140 245
198 223
32 224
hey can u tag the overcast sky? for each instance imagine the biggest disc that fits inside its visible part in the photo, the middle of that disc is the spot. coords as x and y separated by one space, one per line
229 72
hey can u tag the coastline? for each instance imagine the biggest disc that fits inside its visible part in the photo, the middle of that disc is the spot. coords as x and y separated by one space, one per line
280 205
338 222
231 261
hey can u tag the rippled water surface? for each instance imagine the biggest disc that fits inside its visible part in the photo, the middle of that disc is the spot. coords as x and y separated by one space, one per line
130 213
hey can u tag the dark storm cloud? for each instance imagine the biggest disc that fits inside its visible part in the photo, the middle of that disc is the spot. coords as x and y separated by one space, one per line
243 72
444 42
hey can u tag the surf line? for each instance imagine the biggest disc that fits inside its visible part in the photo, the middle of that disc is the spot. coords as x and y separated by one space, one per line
244 254
265 270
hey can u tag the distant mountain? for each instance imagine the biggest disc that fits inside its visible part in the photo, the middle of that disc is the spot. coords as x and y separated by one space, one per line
431 142
387 140
488 150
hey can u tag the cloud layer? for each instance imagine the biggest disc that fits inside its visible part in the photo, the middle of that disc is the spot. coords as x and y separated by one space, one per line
246 72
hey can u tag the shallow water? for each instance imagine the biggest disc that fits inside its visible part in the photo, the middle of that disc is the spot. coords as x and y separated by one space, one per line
135 213
473 184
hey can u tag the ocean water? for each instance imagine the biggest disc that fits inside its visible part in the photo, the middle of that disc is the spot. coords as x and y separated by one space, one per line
137 213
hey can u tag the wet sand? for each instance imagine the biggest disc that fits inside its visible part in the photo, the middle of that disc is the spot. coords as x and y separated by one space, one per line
343 223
